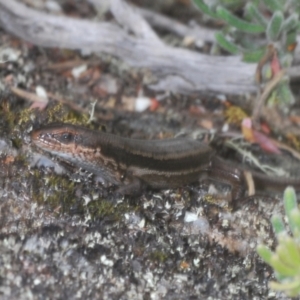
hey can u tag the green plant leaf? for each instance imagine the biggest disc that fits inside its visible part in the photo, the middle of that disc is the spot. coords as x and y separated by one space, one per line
238 23
295 219
290 204
273 5
291 288
283 95
255 14
290 200
277 224
253 56
205 9
265 253
226 44
286 259
287 254
291 37
275 26
291 22
280 267
293 251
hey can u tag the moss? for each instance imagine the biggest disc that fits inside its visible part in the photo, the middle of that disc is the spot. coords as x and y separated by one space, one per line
8 117
234 115
62 192
58 193
294 141
62 114
24 116
158 256
16 142
54 112
215 200
74 117
54 191
107 209
21 160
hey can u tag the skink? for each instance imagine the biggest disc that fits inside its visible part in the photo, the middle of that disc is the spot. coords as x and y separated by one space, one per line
132 163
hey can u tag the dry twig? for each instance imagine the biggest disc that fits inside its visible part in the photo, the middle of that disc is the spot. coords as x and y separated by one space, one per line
176 70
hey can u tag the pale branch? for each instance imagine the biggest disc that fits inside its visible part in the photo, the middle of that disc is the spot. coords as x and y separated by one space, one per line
198 33
175 69
160 21
126 15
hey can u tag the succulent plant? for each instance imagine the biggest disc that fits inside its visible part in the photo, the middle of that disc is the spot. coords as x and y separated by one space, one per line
264 25
286 259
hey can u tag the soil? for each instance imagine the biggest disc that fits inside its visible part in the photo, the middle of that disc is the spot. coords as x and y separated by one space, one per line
65 236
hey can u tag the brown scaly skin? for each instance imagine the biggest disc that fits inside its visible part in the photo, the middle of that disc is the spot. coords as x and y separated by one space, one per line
131 163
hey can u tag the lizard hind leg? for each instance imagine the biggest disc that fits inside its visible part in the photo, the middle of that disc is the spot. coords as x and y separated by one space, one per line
133 188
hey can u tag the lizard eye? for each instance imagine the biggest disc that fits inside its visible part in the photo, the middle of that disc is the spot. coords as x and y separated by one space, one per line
66 138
